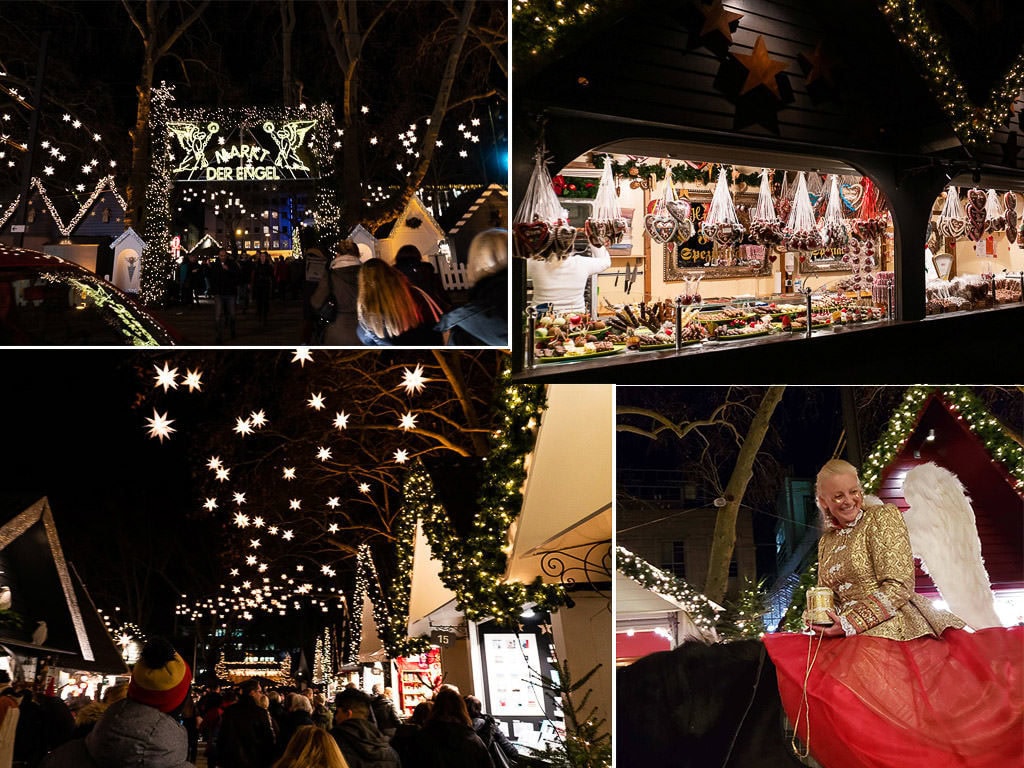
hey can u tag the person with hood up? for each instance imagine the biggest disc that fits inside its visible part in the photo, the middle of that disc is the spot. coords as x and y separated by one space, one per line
142 729
360 741
341 281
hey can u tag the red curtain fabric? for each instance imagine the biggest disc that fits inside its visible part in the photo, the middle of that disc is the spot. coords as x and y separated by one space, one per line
955 701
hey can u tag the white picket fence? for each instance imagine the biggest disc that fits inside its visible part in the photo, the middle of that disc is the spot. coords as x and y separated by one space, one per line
453 276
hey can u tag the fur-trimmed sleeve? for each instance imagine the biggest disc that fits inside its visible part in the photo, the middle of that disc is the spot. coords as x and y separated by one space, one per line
892 559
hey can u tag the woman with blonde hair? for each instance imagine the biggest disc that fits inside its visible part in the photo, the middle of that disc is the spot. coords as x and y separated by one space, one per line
392 311
311 747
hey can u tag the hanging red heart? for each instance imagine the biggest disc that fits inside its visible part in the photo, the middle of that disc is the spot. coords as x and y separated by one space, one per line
534 237
564 237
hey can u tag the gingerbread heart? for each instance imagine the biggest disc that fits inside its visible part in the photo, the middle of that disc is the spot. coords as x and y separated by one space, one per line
599 232
564 236
1010 201
534 237
684 231
662 228
619 229
679 209
852 195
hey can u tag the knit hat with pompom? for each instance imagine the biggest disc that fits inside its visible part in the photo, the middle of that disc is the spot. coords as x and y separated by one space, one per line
160 678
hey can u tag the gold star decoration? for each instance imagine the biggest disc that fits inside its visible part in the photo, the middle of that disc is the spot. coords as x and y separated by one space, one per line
716 18
820 66
761 68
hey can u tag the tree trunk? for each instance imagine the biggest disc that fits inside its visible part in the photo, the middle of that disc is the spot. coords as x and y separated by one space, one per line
288 88
724 540
135 194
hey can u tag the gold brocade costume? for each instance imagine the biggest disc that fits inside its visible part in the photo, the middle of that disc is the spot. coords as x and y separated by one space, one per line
870 568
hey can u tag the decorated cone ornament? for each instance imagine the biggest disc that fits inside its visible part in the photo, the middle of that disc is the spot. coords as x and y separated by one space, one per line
660 224
606 225
995 215
722 224
533 229
765 226
834 231
801 231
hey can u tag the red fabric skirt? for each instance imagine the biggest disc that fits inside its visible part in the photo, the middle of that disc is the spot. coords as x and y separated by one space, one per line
870 702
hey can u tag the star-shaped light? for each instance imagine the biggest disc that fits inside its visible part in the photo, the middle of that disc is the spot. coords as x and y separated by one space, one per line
160 426
295 504
234 571
239 498
194 381
272 530
333 502
210 505
223 473
288 535
258 419
364 487
166 377
289 473
254 543
401 456
333 527
323 453
242 520
262 568
300 568
414 380
302 356
341 420
258 522
250 560
316 402
243 426
327 571
408 421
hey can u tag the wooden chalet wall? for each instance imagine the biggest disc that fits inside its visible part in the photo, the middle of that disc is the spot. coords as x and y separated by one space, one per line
998 509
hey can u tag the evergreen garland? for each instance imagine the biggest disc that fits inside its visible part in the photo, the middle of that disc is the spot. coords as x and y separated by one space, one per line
701 610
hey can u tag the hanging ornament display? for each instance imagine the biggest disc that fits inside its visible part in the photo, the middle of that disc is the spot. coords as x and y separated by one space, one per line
765 226
976 213
860 255
952 221
815 190
801 231
834 231
995 219
872 221
606 224
1010 203
661 224
721 224
539 229
784 206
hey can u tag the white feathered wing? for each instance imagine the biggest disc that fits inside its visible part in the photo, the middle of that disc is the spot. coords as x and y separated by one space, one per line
944 534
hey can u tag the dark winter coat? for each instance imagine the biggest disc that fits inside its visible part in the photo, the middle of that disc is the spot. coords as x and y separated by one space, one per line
483 320
384 714
344 282
246 737
363 745
449 745
289 723
493 736
129 735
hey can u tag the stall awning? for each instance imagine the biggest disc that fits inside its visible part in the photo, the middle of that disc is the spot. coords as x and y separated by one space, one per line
428 595
567 496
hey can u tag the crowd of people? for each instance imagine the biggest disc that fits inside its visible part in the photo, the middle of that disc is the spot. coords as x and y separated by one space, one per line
160 720
352 298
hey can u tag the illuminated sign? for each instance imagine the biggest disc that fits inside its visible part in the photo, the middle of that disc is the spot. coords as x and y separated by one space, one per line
248 150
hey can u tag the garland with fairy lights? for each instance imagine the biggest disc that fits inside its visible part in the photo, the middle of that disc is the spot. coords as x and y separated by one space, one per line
474 567
700 609
967 408
389 618
103 185
973 124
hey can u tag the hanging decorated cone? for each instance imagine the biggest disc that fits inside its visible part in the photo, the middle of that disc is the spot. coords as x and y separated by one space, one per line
801 231
995 218
871 223
538 217
952 222
765 226
661 225
606 224
721 224
784 206
834 231
1010 203
976 213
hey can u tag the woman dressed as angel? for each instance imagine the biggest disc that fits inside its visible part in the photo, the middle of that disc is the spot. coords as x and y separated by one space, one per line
893 681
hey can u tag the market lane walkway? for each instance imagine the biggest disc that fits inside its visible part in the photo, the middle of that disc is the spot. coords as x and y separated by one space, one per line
195 325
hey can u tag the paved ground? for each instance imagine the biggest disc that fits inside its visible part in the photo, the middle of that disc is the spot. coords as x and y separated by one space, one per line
195 325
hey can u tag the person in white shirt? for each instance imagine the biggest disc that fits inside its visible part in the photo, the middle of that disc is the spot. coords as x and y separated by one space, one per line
560 282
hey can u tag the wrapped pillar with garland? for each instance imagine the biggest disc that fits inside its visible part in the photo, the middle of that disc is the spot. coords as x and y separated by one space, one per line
157 267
